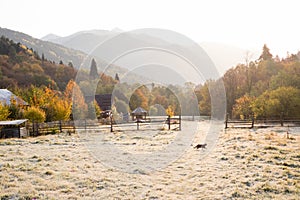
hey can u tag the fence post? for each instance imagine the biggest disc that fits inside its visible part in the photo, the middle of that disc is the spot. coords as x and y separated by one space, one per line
281 119
180 122
33 128
252 120
169 122
37 129
111 123
84 124
226 121
60 126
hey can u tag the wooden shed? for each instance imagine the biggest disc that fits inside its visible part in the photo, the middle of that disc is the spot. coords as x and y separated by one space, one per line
14 128
104 101
139 114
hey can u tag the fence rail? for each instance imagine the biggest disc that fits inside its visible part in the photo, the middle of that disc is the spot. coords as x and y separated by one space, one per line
260 123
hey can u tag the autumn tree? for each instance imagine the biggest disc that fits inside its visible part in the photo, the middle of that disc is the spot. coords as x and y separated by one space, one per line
4 112
74 95
170 111
35 114
243 107
140 98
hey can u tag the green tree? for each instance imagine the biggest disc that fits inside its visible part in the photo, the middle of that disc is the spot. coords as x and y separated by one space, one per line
117 77
266 55
205 102
283 100
93 69
121 106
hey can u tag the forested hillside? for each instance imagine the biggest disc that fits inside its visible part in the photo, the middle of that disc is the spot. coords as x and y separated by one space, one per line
268 87
21 67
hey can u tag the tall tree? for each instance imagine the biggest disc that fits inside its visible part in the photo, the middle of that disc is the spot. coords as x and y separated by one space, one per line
266 55
117 77
93 70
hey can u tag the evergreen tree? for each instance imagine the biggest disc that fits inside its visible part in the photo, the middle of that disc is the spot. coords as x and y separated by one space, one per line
70 64
93 70
117 77
266 55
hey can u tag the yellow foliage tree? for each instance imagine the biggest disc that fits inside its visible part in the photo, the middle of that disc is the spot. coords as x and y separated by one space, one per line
74 95
170 111
4 112
35 114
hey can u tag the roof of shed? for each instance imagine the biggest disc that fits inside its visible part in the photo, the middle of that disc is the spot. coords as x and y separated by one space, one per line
13 122
139 110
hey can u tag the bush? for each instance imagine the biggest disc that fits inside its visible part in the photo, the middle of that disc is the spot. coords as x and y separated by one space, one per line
35 114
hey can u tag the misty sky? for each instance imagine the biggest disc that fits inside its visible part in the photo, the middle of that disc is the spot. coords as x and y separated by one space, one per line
247 24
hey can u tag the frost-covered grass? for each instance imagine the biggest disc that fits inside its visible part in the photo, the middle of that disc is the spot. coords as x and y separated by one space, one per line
246 164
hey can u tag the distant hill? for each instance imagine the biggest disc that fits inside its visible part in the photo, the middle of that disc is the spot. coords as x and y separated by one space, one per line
163 66
50 37
224 56
51 51
57 52
21 67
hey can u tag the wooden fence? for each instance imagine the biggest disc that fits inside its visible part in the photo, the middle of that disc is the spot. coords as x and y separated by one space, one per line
36 129
260 123
174 121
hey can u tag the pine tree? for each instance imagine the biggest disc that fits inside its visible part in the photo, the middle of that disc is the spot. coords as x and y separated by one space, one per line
93 70
117 77
266 55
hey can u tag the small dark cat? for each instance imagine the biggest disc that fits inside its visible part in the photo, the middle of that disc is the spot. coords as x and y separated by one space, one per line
200 146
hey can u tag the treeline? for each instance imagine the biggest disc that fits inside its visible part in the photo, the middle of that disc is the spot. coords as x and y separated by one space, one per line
267 87
21 67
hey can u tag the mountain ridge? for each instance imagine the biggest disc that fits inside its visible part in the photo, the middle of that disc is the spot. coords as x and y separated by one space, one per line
224 56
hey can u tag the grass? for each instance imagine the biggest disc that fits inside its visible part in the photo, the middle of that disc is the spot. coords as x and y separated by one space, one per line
244 165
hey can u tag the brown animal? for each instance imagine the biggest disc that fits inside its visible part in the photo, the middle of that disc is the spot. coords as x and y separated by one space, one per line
200 146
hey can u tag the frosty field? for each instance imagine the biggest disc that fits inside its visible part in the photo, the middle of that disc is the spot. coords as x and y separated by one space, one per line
245 164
